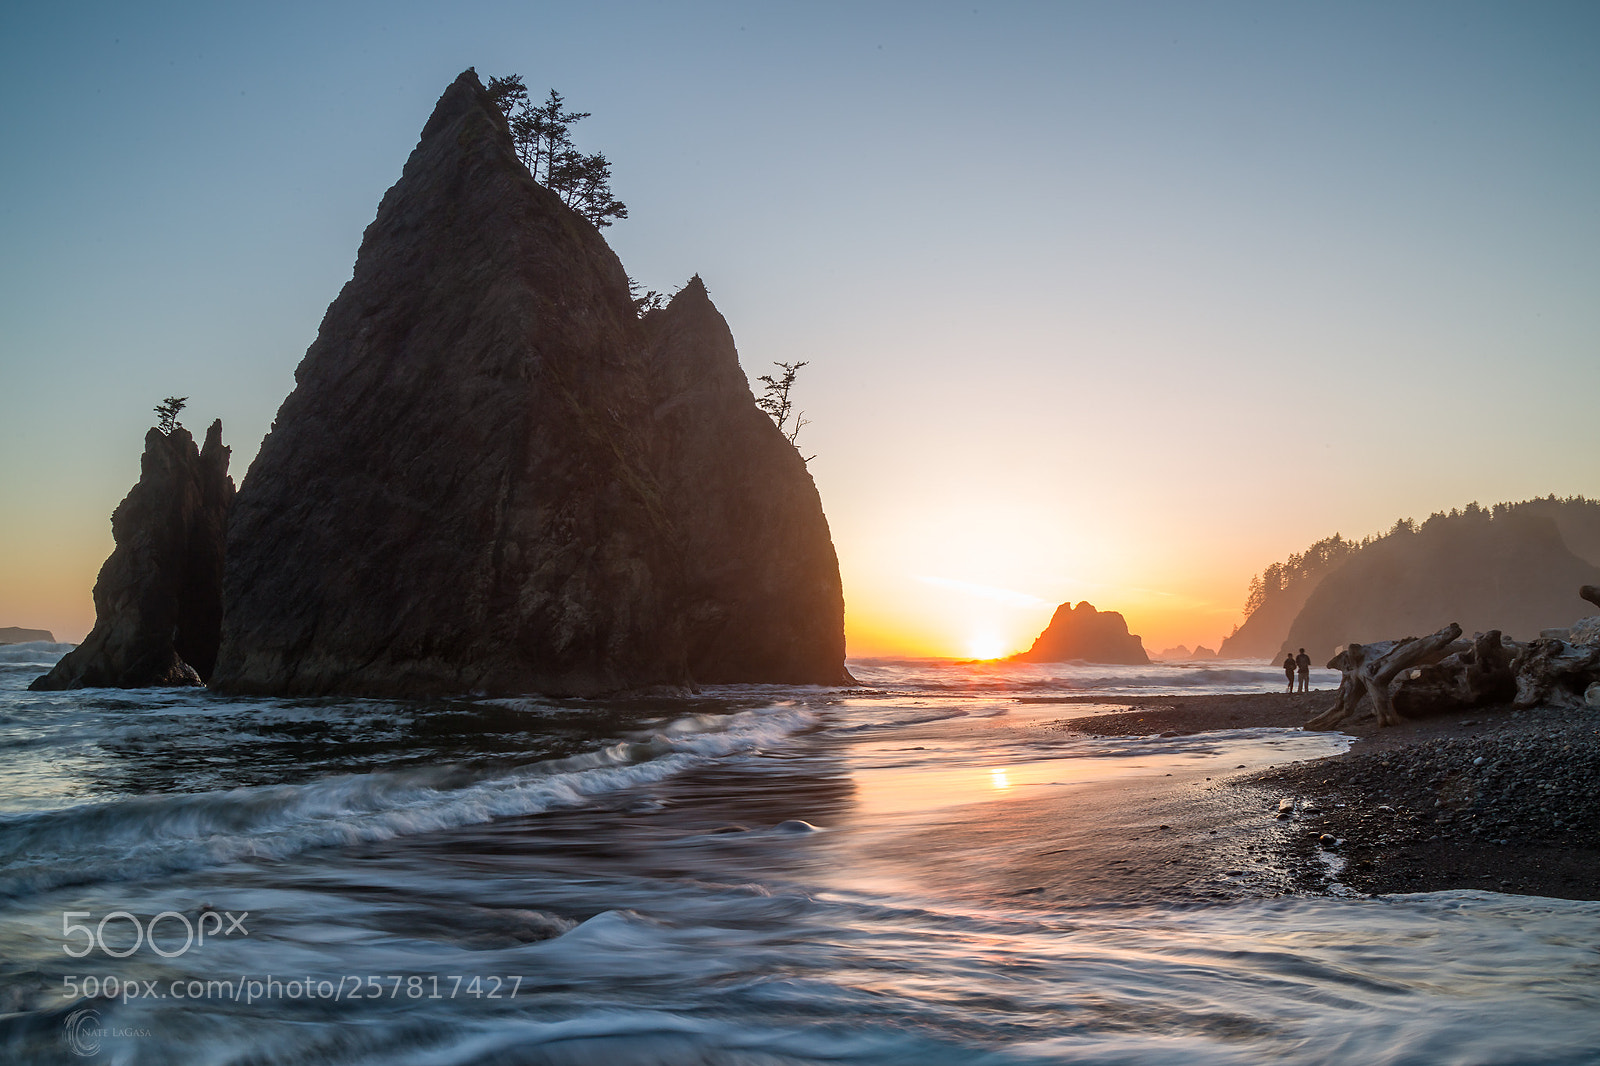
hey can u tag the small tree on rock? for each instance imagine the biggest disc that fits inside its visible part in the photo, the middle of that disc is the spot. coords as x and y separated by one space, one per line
167 413
543 139
774 400
650 300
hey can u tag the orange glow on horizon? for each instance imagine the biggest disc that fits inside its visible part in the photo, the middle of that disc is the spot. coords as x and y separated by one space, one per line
912 618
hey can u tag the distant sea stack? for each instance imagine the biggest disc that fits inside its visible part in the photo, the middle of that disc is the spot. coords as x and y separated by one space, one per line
158 600
18 635
494 476
1182 653
1084 633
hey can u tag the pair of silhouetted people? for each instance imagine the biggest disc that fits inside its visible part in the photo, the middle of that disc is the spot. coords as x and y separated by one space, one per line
1298 665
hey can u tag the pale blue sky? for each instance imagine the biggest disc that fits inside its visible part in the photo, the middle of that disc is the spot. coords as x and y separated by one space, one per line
1106 301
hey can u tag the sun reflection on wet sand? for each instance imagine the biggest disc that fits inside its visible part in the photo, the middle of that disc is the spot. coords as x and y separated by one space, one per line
907 781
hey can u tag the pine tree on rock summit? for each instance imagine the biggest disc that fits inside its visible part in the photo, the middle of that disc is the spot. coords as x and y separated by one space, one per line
543 139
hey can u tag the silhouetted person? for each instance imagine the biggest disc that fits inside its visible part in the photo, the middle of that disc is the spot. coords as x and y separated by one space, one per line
1288 671
1303 661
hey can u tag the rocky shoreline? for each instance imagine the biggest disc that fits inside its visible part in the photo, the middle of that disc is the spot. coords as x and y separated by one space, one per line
1490 798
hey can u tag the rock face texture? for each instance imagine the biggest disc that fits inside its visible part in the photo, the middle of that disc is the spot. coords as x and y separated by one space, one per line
493 476
158 599
761 598
1084 633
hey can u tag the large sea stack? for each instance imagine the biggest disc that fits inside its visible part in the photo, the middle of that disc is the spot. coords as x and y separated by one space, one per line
158 599
494 476
1086 634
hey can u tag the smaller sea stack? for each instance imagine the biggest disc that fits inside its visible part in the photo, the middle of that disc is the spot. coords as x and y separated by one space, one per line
158 599
18 635
1086 634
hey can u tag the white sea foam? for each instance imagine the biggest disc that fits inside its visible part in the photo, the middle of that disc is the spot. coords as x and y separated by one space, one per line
33 651
175 831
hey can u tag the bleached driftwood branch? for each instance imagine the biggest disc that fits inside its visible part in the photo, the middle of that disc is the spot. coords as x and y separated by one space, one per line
1367 669
1467 677
1554 673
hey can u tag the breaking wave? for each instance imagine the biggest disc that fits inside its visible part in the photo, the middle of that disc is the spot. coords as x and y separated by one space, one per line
169 831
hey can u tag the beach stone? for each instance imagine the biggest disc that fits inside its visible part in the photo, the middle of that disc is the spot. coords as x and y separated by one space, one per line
1585 631
493 475
158 599
1591 695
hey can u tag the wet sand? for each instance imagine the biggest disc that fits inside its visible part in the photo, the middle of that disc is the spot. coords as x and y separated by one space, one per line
1144 828
1145 840
1486 799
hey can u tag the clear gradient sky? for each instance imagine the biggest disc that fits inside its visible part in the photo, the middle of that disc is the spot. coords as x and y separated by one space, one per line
1117 302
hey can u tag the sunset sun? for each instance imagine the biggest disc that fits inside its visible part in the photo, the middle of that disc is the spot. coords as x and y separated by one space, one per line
985 646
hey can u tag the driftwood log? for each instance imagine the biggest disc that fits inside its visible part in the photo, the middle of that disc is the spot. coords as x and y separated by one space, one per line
1366 670
1554 673
1468 677
1442 673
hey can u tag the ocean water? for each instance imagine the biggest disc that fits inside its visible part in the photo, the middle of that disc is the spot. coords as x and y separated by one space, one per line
753 875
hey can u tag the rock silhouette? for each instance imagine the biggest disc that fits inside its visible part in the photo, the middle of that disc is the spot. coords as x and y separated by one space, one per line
762 599
493 476
158 599
18 635
1513 573
1265 633
1084 633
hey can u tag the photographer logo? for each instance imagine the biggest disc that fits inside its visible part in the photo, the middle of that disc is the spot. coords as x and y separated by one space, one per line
83 1032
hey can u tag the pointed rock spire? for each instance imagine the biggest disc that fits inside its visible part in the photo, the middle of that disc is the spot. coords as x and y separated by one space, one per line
479 482
158 599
